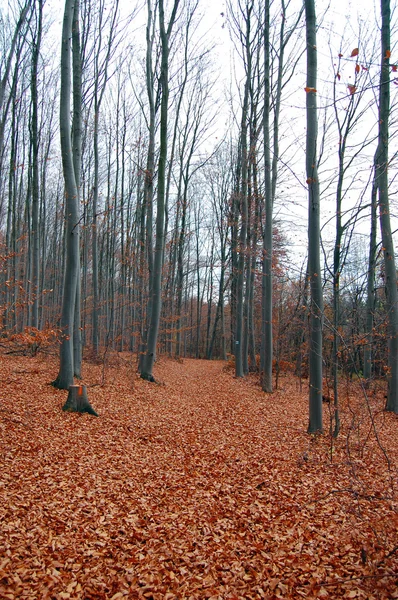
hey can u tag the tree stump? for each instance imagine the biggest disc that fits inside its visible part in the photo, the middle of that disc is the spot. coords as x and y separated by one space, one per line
77 401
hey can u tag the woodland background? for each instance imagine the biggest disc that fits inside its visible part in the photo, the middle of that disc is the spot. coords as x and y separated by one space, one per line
120 116
153 189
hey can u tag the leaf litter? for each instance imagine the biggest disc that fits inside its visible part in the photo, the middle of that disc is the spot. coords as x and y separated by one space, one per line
200 487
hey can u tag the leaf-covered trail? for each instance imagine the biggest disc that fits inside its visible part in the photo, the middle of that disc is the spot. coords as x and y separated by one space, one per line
200 487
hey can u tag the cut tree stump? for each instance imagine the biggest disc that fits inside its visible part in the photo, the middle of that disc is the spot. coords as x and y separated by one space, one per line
77 401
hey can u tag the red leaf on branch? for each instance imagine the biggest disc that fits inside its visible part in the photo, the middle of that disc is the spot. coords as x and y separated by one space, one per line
355 52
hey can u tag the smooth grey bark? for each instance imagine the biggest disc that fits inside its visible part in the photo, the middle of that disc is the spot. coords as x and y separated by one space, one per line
156 298
146 242
314 265
123 256
77 401
370 285
77 154
267 334
9 314
256 234
390 282
35 233
66 370
270 179
94 242
242 242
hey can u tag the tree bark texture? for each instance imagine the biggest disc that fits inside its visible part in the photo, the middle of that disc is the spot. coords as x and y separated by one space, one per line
156 278
242 242
267 336
77 401
35 170
315 352
384 210
66 370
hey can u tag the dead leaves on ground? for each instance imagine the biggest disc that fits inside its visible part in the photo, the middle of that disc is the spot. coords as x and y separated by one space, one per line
202 487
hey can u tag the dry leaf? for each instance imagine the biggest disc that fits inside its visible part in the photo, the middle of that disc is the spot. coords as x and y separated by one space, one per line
194 489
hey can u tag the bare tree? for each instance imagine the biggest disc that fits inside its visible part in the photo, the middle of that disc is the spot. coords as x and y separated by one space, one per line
35 164
314 265
156 276
384 210
72 268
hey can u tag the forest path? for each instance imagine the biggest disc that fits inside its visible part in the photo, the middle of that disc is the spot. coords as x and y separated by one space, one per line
200 486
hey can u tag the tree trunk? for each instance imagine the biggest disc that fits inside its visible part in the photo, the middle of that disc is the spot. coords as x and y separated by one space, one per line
35 276
315 354
267 338
242 244
370 285
156 291
384 209
77 401
77 152
66 371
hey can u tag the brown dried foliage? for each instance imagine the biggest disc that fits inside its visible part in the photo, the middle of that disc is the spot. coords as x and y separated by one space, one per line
202 487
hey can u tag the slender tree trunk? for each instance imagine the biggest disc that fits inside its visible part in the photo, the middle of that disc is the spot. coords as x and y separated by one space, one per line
66 371
315 358
384 209
146 244
77 152
267 334
243 203
370 285
156 300
35 276
95 331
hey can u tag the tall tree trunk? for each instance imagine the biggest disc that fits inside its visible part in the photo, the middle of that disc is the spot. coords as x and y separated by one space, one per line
242 245
146 244
66 371
156 298
77 152
384 209
267 336
370 285
35 276
315 354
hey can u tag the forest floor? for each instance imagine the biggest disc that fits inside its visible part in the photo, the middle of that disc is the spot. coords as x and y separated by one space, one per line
199 486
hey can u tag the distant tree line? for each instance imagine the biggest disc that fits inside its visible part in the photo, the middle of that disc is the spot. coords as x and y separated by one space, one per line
145 209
